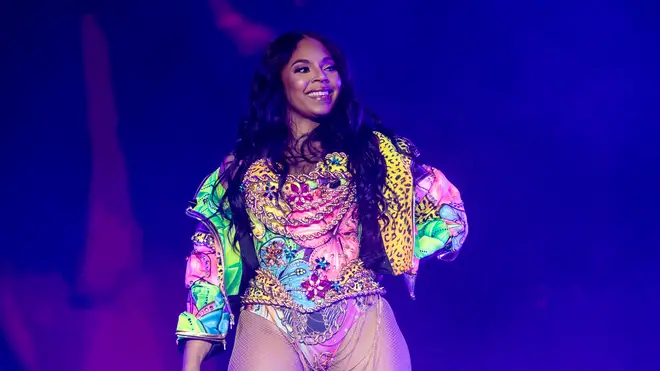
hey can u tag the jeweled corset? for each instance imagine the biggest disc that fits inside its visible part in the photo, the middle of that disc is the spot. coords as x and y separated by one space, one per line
306 238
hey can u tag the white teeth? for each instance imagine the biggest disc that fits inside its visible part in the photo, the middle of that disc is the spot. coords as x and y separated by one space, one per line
319 93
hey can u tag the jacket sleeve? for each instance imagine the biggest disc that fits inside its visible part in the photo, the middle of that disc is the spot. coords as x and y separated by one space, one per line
439 215
207 315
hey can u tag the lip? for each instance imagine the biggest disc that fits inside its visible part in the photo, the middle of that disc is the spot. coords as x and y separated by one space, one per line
324 94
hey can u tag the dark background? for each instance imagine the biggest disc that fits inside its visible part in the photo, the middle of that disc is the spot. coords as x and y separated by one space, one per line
543 113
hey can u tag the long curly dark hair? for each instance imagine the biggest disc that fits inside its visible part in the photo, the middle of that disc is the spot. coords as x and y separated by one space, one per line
349 127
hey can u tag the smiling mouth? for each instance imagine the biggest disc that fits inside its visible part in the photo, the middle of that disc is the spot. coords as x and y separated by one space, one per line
320 95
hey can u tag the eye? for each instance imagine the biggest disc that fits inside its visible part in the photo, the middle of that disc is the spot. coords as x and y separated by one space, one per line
331 67
301 70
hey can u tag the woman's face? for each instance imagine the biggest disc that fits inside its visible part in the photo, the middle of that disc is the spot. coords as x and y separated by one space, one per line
311 82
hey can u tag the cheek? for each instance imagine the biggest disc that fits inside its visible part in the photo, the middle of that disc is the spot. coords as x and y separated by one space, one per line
300 87
296 86
338 84
293 88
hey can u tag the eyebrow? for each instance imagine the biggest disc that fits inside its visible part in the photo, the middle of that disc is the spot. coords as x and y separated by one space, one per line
306 61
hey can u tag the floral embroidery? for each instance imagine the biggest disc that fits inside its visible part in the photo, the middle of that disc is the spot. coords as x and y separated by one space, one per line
270 192
321 263
336 162
311 235
308 210
334 159
299 271
316 286
289 252
294 287
300 195
273 253
340 248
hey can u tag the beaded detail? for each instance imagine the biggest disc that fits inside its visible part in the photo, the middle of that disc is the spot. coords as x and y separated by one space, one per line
320 198
355 280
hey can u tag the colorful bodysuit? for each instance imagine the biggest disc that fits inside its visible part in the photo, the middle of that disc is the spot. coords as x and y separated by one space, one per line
310 282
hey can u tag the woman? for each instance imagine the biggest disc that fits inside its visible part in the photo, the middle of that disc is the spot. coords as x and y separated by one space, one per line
318 200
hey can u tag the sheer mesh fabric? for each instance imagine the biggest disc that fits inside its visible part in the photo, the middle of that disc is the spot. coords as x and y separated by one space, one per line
261 346
373 343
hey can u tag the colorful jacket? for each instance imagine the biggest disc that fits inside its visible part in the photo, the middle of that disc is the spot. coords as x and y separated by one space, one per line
426 218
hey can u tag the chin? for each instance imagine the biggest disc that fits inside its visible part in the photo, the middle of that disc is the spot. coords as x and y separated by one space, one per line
321 113
324 110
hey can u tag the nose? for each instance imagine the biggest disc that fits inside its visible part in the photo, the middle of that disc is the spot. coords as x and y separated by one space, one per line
321 77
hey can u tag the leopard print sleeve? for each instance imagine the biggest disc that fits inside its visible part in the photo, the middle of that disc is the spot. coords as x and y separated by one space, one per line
439 215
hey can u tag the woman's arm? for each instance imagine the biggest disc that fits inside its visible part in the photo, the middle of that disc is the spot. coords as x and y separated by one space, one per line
202 328
439 215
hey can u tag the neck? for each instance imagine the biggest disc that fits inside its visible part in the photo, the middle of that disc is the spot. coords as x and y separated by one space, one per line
300 126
